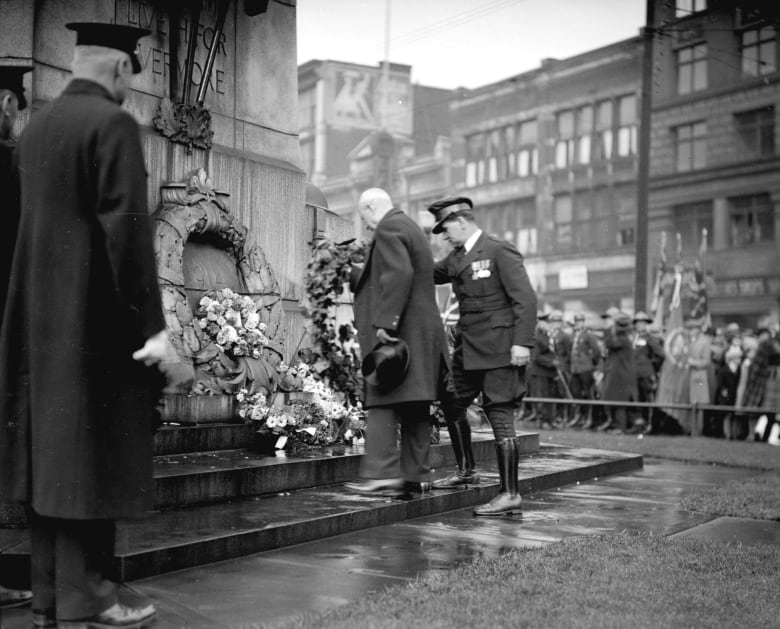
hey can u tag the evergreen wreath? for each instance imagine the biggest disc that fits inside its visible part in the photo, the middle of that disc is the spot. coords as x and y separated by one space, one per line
335 353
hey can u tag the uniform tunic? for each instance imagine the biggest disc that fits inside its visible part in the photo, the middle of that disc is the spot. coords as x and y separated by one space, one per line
75 408
496 301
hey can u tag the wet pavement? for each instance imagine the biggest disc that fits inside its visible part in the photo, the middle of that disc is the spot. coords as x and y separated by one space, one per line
266 589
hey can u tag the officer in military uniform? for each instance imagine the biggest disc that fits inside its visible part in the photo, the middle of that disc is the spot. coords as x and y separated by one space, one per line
585 356
493 340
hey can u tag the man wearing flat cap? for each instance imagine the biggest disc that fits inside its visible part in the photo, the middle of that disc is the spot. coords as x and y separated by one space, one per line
82 337
395 307
493 341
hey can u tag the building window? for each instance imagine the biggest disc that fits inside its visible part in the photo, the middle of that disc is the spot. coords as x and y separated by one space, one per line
564 146
527 152
691 146
756 131
475 164
692 69
626 236
604 135
627 125
562 213
507 165
752 220
758 51
584 131
683 8
690 222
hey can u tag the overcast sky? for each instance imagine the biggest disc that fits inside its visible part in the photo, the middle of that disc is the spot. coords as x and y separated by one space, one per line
452 43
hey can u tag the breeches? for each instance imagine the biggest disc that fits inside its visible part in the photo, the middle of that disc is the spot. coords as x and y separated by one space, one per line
502 392
70 562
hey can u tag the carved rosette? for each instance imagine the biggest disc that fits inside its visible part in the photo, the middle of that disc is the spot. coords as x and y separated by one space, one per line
194 209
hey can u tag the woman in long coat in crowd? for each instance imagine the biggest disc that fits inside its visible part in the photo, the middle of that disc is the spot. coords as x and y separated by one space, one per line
699 362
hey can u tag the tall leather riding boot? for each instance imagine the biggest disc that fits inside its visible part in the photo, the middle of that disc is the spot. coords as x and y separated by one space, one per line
508 500
460 436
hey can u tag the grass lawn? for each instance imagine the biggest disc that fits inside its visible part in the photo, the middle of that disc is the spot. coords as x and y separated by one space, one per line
621 581
750 454
757 497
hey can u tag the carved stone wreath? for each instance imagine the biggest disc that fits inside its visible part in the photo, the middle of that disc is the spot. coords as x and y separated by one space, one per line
194 207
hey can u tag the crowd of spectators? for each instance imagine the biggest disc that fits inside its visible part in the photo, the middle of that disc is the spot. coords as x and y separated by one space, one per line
628 359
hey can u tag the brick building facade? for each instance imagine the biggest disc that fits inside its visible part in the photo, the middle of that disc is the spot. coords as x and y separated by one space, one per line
550 159
714 160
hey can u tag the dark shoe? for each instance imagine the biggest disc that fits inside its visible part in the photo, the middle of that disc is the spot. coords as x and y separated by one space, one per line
414 487
456 480
14 598
508 500
385 487
502 504
116 616
460 437
44 619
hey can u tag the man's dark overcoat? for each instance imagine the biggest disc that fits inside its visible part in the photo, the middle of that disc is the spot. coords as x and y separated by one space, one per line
496 301
75 408
395 291
620 383
9 214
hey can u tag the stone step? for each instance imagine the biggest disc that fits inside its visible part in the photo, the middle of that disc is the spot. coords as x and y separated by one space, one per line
208 477
171 440
193 536
197 535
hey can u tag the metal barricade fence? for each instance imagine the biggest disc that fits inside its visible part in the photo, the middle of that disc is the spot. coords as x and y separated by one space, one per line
696 408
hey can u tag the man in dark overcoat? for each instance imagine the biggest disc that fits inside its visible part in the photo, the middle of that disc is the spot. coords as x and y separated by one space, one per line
82 333
619 372
493 338
12 101
395 299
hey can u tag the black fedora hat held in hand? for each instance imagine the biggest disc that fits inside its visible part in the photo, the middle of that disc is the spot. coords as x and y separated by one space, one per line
386 366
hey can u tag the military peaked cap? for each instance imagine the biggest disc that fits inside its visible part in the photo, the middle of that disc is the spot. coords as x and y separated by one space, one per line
442 210
117 36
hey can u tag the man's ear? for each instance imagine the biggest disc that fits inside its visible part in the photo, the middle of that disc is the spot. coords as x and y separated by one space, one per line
6 103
